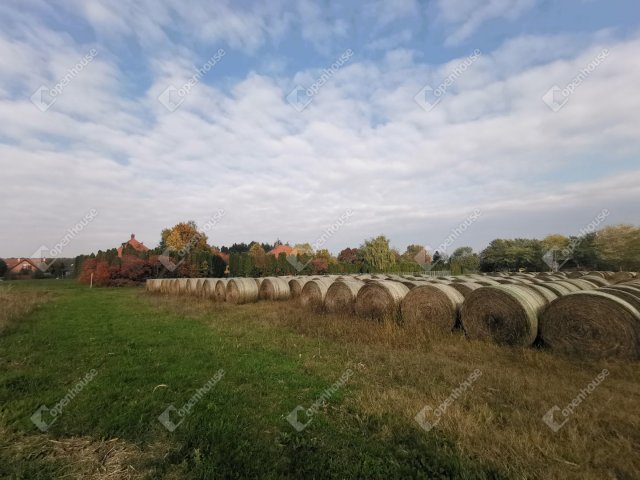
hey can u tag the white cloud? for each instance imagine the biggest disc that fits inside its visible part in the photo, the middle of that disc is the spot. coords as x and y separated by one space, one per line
467 16
362 144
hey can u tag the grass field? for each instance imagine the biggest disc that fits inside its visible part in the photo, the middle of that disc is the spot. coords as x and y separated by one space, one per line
150 352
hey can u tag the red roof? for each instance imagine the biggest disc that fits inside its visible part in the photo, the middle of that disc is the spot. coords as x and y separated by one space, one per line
15 262
135 244
281 249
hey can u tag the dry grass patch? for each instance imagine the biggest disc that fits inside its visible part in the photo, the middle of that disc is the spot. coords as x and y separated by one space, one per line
17 304
498 420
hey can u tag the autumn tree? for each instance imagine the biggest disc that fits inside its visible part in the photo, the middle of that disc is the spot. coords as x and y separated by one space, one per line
349 255
259 256
303 249
412 252
184 237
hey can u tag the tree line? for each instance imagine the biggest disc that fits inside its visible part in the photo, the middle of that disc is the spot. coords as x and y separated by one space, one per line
184 251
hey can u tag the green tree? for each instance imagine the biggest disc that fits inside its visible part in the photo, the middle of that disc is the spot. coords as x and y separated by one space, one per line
3 267
465 260
377 254
619 245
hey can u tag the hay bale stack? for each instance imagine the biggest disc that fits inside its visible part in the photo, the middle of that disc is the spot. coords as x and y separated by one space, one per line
434 308
209 288
381 299
592 325
505 314
274 288
341 296
221 289
296 284
241 290
465 288
314 293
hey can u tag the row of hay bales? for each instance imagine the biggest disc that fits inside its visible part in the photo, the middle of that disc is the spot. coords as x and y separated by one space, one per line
589 314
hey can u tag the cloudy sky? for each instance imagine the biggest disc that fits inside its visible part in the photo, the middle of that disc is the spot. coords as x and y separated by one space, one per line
410 114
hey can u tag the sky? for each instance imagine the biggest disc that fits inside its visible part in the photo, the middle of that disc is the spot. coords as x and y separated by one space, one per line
442 122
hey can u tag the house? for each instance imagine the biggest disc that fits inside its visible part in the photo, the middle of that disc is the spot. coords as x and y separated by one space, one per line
133 243
286 249
19 265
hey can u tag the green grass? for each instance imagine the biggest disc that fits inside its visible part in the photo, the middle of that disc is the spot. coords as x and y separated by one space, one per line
149 355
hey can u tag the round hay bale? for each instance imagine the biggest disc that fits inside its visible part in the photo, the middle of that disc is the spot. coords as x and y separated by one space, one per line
151 285
627 287
435 308
199 287
220 290
487 282
505 314
314 293
597 281
381 299
241 290
296 284
168 285
568 285
592 325
465 288
274 288
631 298
547 295
209 288
192 284
559 289
597 274
582 284
621 277
341 296
575 274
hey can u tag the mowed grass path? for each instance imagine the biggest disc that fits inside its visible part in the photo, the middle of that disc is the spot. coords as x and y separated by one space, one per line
148 356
